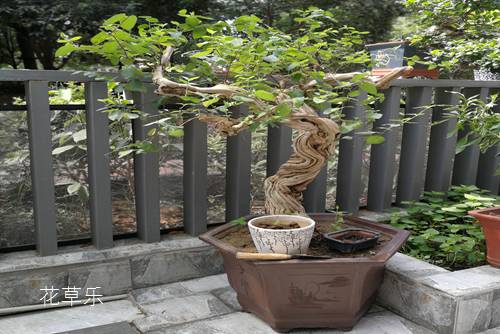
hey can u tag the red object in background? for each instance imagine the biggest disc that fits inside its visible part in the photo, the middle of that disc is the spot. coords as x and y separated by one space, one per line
490 221
416 72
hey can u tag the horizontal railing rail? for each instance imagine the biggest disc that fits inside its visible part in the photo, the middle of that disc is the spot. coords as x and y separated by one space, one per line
427 159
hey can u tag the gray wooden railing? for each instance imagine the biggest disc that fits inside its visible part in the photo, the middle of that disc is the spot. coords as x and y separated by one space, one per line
425 162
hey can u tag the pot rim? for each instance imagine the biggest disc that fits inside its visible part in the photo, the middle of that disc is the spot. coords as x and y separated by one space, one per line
483 214
311 222
398 237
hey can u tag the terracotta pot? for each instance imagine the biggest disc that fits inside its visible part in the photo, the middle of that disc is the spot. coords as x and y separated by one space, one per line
286 241
332 293
490 221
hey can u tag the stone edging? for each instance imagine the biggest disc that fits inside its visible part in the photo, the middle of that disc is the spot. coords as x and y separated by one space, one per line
464 301
129 265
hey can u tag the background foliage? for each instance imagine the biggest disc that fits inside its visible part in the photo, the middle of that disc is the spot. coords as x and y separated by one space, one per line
29 29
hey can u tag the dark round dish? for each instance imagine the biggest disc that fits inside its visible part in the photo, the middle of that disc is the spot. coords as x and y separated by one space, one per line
351 240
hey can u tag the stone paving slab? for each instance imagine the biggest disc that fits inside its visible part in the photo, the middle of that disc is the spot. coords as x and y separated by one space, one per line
180 310
466 282
118 328
205 306
70 318
244 323
184 288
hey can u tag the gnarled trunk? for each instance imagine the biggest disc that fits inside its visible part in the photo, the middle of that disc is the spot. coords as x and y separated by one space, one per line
313 146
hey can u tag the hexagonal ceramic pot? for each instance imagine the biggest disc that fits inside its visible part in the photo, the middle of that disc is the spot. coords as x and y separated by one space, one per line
332 293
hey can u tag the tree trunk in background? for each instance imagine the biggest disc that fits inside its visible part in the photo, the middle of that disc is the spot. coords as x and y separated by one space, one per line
26 48
312 147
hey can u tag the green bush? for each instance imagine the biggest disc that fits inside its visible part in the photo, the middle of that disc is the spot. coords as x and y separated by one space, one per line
442 232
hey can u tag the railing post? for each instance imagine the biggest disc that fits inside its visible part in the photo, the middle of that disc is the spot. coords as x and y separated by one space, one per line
279 147
238 173
195 177
42 176
487 177
350 160
383 156
489 162
315 193
442 143
146 170
466 162
414 144
98 161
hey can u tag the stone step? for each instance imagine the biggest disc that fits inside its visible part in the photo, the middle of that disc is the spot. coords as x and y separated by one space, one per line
204 305
118 270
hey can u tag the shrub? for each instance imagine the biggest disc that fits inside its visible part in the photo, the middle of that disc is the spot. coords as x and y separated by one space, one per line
442 231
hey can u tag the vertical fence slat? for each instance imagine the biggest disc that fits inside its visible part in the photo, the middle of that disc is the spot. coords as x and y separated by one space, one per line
466 162
195 177
315 193
146 170
442 143
42 175
98 162
238 165
413 145
383 156
350 161
487 167
279 147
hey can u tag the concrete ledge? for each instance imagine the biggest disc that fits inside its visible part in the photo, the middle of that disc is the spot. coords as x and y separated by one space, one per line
129 265
460 302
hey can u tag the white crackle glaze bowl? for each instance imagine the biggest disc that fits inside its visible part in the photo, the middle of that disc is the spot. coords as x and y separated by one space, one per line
291 241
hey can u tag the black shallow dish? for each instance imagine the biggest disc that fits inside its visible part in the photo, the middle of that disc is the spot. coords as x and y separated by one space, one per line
351 240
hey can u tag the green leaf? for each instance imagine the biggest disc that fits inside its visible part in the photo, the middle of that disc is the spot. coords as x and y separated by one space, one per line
368 87
239 221
80 135
115 18
129 22
270 59
202 53
100 37
124 153
176 132
375 139
73 188
283 109
263 95
62 149
65 50
208 103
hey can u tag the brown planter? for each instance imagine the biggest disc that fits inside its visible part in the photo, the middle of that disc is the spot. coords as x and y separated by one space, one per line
332 293
490 221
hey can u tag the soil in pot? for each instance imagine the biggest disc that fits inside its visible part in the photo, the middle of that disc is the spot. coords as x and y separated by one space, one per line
278 225
240 237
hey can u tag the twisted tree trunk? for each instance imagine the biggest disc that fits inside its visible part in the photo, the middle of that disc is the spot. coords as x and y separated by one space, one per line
312 147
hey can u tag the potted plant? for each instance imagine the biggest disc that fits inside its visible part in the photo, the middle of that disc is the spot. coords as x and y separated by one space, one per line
490 222
460 36
388 55
282 78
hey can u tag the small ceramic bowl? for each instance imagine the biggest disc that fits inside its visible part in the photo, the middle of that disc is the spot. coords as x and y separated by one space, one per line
285 241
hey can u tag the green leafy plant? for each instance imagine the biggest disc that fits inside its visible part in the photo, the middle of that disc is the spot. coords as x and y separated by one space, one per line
478 118
442 231
458 35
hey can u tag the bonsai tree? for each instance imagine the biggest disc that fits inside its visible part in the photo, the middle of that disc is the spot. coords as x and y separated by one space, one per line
458 35
211 67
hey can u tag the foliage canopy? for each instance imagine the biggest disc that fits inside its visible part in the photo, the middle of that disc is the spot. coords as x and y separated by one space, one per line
272 71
